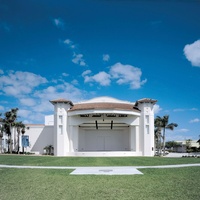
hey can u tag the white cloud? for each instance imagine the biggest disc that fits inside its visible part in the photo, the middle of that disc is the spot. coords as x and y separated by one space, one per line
78 59
183 130
59 23
102 78
192 53
18 83
24 113
157 109
75 82
196 120
65 74
67 41
38 117
106 57
127 74
178 134
122 74
1 108
184 109
12 90
27 89
194 109
86 72
65 90
27 101
179 110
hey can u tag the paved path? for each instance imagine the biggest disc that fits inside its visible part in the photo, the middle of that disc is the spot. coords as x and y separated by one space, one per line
110 170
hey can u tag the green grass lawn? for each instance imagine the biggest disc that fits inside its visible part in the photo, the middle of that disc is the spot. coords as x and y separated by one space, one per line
36 184
92 161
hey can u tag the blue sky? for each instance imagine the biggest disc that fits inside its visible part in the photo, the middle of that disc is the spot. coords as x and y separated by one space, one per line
83 49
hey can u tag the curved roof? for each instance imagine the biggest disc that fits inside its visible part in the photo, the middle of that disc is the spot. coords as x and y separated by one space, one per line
104 99
104 106
104 103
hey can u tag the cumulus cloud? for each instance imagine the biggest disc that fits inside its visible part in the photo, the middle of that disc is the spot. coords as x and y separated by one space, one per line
122 74
75 82
69 43
196 120
27 101
78 59
59 23
192 53
102 78
34 91
86 73
157 109
106 57
24 113
65 90
127 74
1 108
65 74
18 83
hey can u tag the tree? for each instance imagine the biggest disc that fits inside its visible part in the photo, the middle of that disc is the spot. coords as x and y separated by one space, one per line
23 130
8 123
163 124
1 133
158 138
172 144
20 128
188 145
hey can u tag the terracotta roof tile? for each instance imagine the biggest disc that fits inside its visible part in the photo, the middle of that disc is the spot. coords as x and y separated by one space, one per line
101 106
61 101
146 100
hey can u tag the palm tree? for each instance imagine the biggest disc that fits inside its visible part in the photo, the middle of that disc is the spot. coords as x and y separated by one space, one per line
1 133
158 137
23 130
19 126
163 124
8 123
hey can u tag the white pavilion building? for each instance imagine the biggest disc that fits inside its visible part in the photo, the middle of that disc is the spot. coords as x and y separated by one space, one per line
101 126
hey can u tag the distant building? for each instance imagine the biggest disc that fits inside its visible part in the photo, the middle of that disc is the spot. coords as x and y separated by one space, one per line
102 126
182 148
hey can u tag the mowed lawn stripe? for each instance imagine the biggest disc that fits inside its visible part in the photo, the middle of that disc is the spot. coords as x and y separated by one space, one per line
92 161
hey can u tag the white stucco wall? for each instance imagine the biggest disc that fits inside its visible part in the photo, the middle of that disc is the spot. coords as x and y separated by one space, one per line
39 137
146 129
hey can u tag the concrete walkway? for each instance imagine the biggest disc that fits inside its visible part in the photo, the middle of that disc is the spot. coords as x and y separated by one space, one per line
110 170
